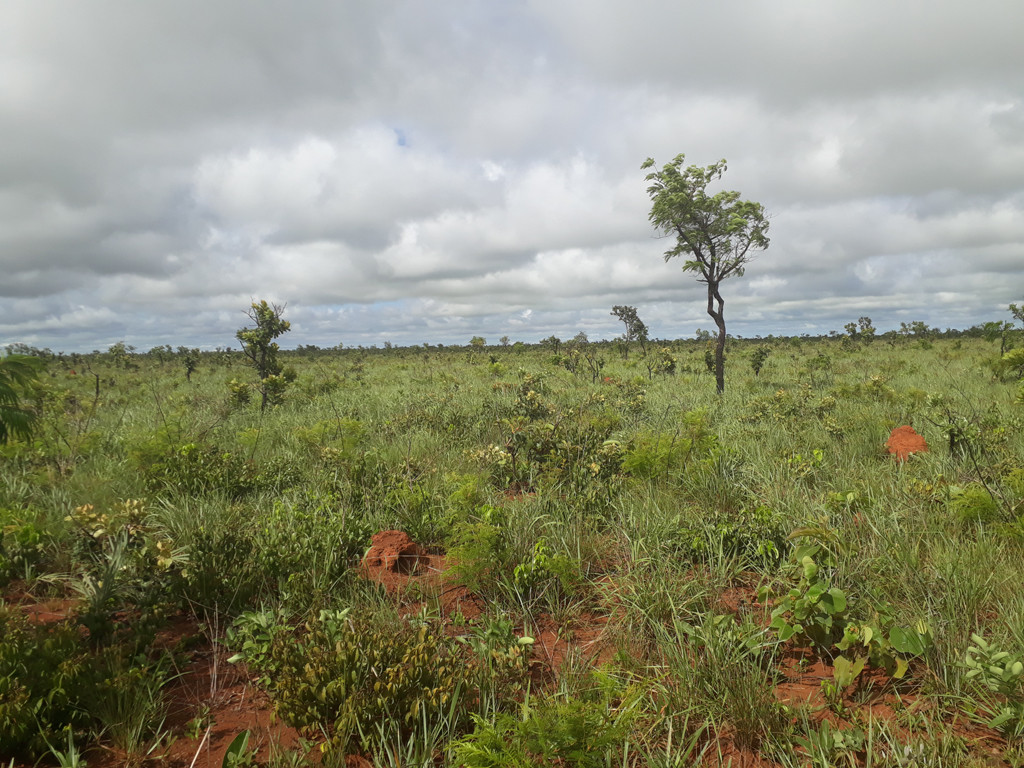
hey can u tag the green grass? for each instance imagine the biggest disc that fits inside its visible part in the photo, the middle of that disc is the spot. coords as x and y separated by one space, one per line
636 499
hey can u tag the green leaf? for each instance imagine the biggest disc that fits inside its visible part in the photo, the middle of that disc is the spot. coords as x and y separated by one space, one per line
846 671
810 569
838 599
906 641
236 750
901 668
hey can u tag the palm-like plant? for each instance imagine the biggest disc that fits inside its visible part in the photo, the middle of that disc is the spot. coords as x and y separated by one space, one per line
16 372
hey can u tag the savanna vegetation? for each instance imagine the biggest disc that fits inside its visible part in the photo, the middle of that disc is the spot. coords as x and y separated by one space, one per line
649 573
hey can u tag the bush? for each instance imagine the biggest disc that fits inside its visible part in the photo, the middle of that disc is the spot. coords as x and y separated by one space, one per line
585 731
345 677
21 546
973 504
200 469
46 678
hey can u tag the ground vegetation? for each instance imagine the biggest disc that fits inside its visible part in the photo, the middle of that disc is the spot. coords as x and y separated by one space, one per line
518 555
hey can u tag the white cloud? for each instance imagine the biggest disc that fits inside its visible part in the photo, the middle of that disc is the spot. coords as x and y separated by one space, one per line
428 173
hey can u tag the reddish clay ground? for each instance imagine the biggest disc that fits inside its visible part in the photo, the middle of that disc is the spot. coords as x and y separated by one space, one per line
903 441
212 701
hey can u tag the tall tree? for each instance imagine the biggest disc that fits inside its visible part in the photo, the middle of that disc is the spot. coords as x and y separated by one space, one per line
259 347
718 234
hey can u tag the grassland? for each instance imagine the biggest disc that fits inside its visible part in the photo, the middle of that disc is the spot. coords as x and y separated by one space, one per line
617 567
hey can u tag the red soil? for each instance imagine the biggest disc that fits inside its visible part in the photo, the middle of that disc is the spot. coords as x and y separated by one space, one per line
904 441
226 698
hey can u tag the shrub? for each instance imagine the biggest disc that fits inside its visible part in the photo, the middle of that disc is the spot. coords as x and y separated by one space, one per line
973 504
21 545
343 677
199 469
584 731
758 358
46 677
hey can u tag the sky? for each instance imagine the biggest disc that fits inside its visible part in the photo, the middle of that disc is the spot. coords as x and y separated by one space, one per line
414 171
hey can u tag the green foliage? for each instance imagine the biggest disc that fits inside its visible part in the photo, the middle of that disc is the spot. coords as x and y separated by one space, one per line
758 358
126 564
237 753
239 393
17 373
584 731
717 234
828 746
130 707
973 503
862 330
22 544
47 678
252 635
722 667
342 676
190 359
816 612
636 330
196 470
632 503
1011 365
261 350
718 231
651 455
1001 673
813 610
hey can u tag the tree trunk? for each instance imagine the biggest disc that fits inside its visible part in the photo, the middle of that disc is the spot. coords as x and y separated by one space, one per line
715 308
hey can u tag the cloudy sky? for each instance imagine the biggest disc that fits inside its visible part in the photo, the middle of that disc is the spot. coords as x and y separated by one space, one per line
425 171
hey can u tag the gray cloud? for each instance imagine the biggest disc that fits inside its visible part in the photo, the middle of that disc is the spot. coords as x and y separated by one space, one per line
412 172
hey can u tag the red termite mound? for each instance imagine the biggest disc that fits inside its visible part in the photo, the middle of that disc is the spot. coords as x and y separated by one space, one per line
904 441
395 552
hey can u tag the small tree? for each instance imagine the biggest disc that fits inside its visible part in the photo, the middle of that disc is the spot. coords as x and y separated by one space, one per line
505 341
553 342
918 329
120 353
190 357
635 328
757 360
998 330
478 343
259 347
16 372
1017 312
719 233
862 330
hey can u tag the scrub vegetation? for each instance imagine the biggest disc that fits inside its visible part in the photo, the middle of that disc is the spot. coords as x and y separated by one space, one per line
613 564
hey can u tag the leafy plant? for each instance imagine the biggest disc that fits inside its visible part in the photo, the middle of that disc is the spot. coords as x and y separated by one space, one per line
261 350
759 357
827 746
340 677
47 677
237 753
17 372
716 234
973 503
21 546
252 633
813 610
1001 673
585 731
